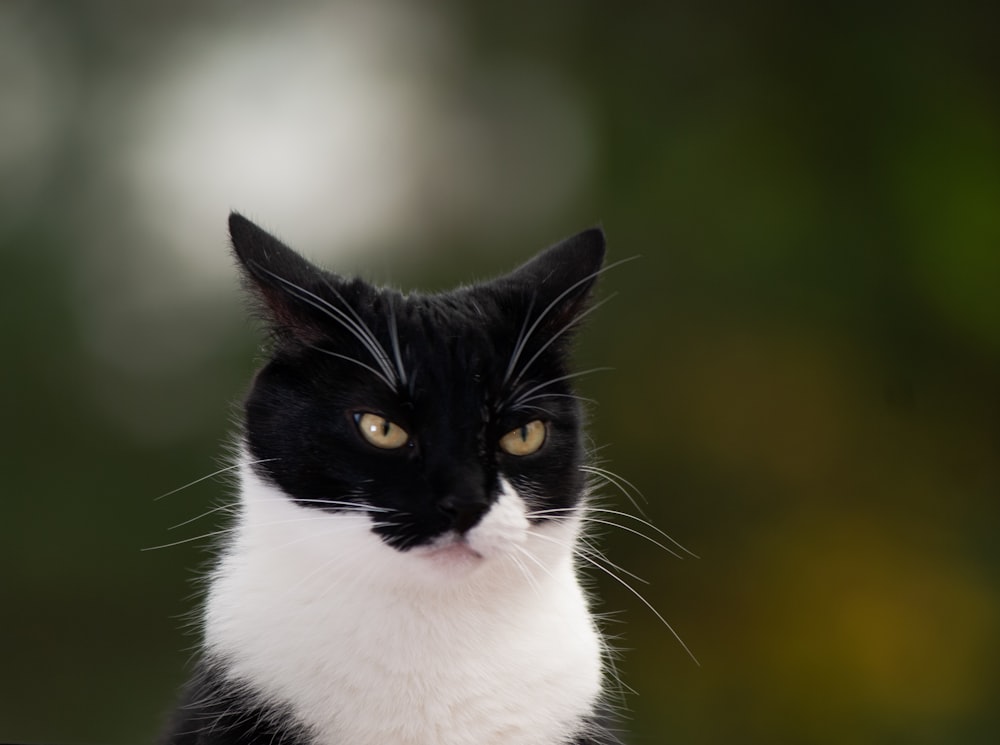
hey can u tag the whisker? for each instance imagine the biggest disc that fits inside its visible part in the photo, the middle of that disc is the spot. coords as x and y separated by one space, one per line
595 559
369 368
224 531
573 322
582 545
519 348
591 508
234 508
648 524
394 338
609 474
181 542
221 508
549 382
617 481
670 551
559 395
361 333
645 602
555 512
535 560
532 407
337 503
211 475
594 552
520 340
524 571
358 320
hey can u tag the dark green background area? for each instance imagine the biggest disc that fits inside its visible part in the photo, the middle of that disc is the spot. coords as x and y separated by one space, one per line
806 384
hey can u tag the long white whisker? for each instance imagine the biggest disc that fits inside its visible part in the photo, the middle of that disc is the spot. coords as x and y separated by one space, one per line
575 320
618 482
594 552
591 508
224 531
520 340
519 349
361 333
394 338
234 507
583 546
369 368
181 542
522 401
611 475
355 506
645 602
533 407
220 508
549 382
524 571
534 559
359 322
211 475
648 524
670 551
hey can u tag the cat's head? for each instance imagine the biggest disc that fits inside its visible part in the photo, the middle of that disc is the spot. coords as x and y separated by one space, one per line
429 412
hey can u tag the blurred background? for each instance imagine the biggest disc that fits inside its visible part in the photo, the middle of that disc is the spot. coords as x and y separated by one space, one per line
806 356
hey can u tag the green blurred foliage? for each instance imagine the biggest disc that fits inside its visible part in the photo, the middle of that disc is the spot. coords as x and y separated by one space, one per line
806 387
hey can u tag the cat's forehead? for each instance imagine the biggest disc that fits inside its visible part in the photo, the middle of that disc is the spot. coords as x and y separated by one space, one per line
469 314
444 353
454 329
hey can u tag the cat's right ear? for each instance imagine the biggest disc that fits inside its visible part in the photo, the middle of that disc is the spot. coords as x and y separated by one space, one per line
284 284
560 280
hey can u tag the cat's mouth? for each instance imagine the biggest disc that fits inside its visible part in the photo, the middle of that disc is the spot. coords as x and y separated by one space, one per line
450 549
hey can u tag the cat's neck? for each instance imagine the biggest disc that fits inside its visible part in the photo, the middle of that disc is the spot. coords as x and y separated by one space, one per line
368 644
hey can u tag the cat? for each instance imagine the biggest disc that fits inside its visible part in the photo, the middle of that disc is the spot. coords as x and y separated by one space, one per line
412 486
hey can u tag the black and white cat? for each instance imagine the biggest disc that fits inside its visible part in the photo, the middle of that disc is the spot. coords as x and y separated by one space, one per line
412 488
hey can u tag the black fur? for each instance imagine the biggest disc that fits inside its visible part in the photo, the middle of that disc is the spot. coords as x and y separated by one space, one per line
451 388
215 711
456 370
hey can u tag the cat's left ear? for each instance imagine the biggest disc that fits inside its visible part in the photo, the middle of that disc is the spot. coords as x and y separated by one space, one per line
560 280
288 288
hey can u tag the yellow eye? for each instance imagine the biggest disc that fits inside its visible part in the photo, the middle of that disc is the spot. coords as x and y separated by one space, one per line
524 440
380 432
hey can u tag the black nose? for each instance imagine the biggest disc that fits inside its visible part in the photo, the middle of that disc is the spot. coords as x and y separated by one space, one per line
463 514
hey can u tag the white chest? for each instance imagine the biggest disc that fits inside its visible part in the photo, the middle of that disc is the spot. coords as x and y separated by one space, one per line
371 646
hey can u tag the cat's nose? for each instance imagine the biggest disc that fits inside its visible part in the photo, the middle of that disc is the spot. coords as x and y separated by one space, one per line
463 514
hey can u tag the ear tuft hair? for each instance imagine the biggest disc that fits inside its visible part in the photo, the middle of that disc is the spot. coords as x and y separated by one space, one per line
561 279
287 286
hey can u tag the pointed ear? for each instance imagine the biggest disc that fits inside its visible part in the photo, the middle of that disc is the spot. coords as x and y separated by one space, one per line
560 280
289 289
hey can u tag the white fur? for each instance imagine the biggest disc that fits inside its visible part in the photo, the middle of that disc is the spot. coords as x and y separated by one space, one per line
462 643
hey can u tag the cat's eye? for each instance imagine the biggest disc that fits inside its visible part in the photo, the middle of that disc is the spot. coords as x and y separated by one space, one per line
524 440
380 432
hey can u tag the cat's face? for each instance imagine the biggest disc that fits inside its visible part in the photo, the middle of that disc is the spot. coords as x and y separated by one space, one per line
429 412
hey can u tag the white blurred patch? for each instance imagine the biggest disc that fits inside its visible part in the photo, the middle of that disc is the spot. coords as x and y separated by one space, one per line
343 126
301 121
339 127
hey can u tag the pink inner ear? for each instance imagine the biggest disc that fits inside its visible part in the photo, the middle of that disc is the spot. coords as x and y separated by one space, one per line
291 323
